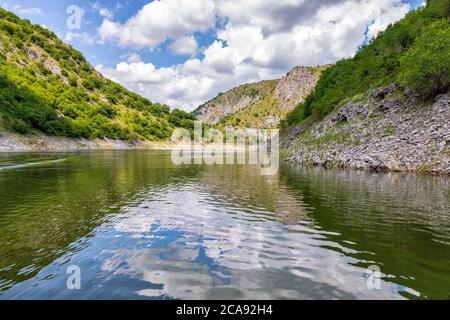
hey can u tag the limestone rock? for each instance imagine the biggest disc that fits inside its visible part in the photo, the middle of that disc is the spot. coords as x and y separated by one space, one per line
405 135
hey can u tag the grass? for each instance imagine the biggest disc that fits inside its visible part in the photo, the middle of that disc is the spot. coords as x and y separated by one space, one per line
390 130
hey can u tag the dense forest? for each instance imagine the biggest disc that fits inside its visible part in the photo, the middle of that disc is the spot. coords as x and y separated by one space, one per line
47 86
414 53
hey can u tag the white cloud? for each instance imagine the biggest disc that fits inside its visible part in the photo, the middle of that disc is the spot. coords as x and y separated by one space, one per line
104 12
27 11
119 5
95 6
386 18
134 58
186 46
260 39
83 37
160 20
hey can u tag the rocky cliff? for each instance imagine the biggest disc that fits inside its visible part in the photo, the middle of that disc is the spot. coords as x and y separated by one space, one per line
386 129
233 101
293 88
262 104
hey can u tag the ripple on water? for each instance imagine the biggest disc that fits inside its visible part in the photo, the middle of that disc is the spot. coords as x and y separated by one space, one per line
140 227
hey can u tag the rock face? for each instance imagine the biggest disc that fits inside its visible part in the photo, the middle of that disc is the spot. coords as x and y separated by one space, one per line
263 104
386 130
233 101
293 88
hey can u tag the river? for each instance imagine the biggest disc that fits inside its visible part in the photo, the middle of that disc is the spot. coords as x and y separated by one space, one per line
133 225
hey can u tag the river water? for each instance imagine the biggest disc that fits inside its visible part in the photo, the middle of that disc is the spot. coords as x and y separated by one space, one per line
132 225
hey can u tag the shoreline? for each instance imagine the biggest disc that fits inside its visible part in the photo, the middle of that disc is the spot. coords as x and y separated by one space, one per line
384 130
16 143
12 142
341 166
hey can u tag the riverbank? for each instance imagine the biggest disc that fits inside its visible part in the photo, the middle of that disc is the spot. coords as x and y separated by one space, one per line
384 130
138 219
37 142
11 142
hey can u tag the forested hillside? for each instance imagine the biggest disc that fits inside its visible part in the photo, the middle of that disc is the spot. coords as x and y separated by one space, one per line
47 86
415 53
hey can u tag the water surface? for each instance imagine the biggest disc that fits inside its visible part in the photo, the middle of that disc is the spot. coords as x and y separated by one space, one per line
140 227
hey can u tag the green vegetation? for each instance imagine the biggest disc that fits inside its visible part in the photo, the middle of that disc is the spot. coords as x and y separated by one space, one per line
414 52
390 130
256 113
48 86
261 104
332 136
252 90
426 66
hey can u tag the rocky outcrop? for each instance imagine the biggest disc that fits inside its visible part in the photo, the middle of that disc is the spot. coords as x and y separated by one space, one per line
263 104
233 101
293 88
386 130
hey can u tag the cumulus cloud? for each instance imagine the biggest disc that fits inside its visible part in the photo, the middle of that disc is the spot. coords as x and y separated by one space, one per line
186 46
160 20
259 39
134 58
272 17
184 85
82 37
27 11
385 18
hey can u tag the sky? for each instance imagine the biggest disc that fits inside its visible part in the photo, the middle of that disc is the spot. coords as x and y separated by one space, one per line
184 52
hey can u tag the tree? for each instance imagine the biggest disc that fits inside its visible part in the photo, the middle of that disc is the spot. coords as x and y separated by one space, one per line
426 66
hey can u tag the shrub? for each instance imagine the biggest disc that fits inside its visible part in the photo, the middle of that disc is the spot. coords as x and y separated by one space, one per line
54 127
73 82
92 82
20 126
426 66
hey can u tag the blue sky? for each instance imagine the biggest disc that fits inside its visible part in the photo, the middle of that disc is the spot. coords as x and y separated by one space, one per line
184 52
54 16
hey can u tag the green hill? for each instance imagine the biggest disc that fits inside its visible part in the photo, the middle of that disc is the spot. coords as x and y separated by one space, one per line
414 52
47 86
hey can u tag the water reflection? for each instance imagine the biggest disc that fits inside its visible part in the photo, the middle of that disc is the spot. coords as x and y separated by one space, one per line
140 227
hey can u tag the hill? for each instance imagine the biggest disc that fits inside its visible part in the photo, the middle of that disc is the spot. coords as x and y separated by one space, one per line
387 108
262 104
46 86
413 52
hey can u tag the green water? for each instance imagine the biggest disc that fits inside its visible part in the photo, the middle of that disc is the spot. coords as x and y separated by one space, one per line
139 227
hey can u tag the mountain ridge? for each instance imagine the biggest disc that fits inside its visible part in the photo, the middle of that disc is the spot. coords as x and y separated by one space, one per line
261 104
